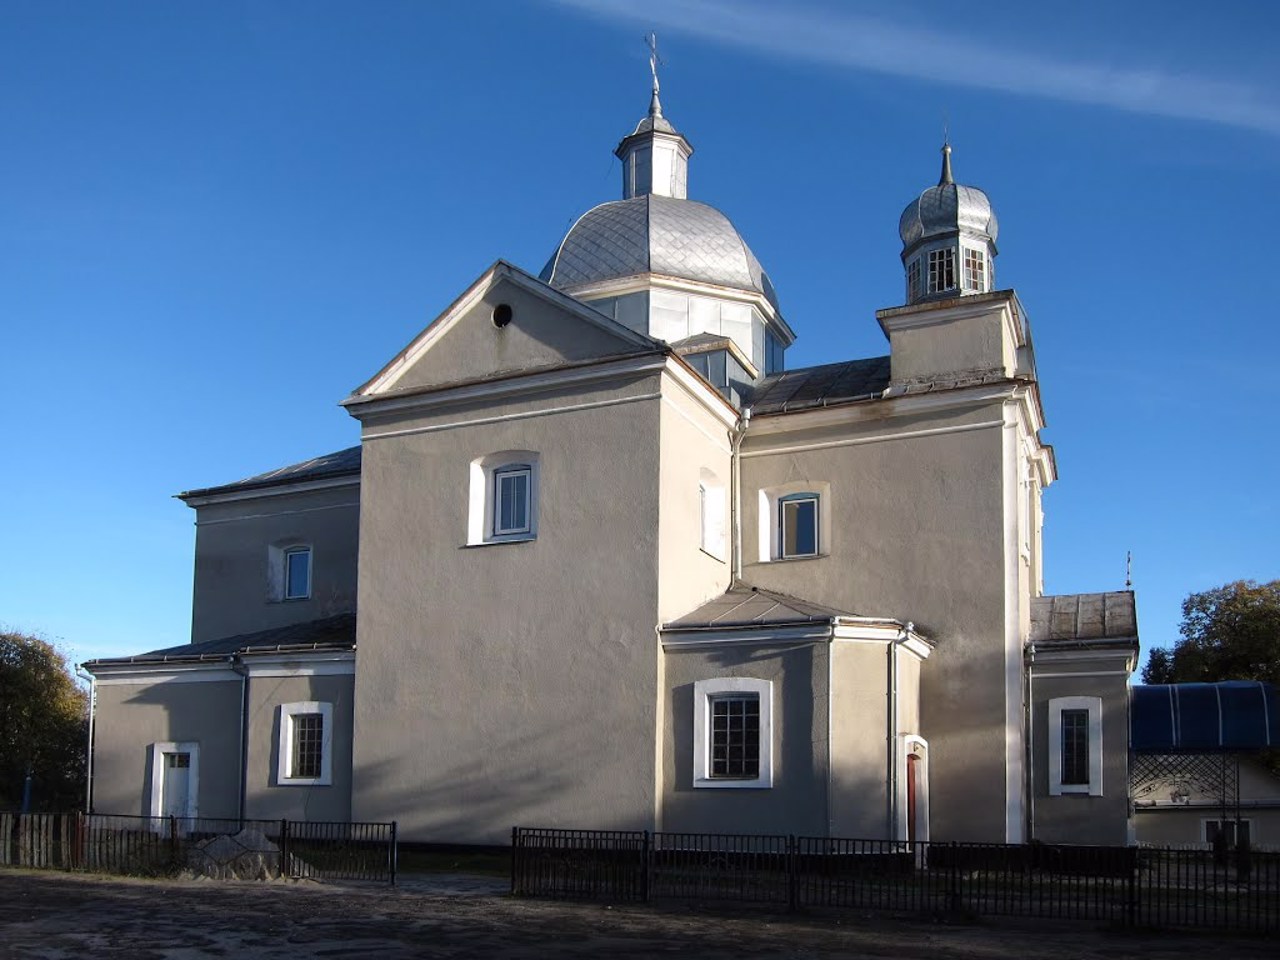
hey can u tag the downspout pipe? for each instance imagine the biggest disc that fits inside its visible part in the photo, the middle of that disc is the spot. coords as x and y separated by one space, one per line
891 732
735 498
238 666
1029 722
93 703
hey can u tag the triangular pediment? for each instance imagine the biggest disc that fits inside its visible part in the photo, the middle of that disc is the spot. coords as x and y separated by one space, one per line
507 323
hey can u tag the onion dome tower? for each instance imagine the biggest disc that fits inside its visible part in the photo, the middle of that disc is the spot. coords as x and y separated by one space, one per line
668 266
948 240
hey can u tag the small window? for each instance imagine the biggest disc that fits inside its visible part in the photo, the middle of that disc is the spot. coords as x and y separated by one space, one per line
711 511
305 745
942 270
512 486
975 272
733 733
502 500
735 736
1231 833
297 573
798 525
913 279
308 741
1075 746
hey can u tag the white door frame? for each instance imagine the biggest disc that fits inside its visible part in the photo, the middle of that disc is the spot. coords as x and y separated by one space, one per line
158 751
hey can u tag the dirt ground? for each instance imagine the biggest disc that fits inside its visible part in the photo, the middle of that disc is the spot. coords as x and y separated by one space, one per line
55 916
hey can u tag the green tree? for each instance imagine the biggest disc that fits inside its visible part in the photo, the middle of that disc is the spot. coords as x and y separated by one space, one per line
43 723
1231 632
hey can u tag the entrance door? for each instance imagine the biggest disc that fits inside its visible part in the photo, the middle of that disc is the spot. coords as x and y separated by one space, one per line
176 792
913 786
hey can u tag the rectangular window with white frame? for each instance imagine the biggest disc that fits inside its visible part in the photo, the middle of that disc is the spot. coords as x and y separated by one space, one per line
942 270
1075 746
798 525
512 485
297 573
305 745
733 733
975 270
711 511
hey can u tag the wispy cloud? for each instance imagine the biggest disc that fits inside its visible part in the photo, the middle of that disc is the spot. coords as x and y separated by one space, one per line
841 39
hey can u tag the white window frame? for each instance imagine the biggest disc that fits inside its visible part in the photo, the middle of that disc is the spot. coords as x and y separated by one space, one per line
289 554
1094 707
482 504
711 515
284 753
938 260
704 691
512 470
770 522
974 281
913 279
158 751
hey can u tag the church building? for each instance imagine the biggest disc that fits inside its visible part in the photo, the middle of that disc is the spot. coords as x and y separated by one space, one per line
601 560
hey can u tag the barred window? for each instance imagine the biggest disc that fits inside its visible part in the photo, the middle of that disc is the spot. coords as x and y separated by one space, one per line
735 736
305 745
1075 747
942 270
308 744
975 270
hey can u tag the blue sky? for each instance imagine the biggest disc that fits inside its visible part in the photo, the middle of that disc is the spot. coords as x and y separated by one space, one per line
216 219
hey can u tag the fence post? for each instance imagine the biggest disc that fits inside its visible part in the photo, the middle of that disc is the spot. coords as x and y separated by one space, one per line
285 869
953 875
646 863
395 851
173 839
515 858
793 874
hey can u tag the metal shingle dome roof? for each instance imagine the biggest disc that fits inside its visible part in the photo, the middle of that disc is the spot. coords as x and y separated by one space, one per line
946 208
655 234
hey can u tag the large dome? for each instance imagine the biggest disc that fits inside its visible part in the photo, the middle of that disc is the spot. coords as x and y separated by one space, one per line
668 236
943 210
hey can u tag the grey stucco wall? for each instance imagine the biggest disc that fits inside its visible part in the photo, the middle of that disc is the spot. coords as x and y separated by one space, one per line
917 534
233 540
130 717
515 682
797 801
1079 818
265 796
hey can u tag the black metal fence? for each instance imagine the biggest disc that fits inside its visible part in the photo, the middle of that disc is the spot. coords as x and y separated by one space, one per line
199 846
1151 887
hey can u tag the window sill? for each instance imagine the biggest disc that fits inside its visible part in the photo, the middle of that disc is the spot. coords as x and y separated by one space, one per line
1075 790
501 541
709 783
807 556
304 782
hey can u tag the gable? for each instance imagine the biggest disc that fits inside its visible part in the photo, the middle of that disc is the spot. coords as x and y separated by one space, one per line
544 329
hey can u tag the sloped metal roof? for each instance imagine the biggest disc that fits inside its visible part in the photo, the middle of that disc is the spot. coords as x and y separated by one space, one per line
743 605
826 385
342 463
1084 616
1204 717
655 234
331 633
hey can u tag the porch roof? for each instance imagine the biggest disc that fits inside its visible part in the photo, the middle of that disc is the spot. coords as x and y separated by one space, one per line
1203 717
331 633
743 605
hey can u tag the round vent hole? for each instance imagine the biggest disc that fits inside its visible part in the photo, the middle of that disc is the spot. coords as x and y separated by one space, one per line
502 314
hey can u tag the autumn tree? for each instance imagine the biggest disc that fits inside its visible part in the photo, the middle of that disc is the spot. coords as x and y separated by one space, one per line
43 723
1231 632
